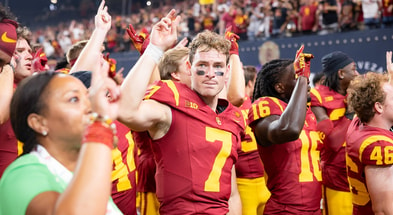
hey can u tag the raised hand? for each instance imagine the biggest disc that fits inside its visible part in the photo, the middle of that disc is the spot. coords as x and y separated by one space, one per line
112 65
233 38
140 41
104 93
164 33
103 20
182 43
39 61
302 63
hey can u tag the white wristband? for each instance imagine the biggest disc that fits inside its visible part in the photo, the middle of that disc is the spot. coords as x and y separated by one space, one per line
154 52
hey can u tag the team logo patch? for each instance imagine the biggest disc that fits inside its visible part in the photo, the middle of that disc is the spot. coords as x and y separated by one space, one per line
218 121
329 98
192 105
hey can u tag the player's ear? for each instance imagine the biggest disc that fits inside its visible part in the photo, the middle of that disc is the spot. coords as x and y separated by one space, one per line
340 74
279 87
378 107
175 76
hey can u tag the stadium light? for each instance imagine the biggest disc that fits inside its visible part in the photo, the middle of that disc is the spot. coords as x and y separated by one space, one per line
148 3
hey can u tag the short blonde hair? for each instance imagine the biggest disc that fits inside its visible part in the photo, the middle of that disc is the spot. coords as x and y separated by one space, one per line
171 61
75 50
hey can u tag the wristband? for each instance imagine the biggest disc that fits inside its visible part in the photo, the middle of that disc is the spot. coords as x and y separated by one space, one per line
101 130
155 52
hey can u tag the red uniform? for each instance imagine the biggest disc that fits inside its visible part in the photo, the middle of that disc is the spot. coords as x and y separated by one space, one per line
293 169
249 164
195 157
334 173
124 171
365 146
385 8
146 164
307 14
8 146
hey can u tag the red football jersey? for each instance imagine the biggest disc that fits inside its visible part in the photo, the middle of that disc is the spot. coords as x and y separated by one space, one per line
385 8
334 173
124 171
8 146
365 146
146 165
249 164
293 169
195 157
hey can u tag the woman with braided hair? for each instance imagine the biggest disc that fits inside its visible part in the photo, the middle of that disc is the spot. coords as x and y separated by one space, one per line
285 130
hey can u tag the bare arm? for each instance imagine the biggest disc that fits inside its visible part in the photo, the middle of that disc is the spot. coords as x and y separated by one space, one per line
92 51
90 187
287 127
236 86
6 92
136 113
379 180
234 202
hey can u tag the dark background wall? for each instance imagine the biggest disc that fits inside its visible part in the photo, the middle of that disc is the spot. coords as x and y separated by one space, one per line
368 48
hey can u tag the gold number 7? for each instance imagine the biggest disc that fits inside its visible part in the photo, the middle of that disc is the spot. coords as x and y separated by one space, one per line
212 184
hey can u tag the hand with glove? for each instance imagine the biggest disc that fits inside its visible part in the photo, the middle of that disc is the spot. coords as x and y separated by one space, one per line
40 61
140 41
112 65
233 38
302 63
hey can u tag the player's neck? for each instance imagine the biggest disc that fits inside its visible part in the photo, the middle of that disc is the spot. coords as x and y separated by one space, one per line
211 102
379 121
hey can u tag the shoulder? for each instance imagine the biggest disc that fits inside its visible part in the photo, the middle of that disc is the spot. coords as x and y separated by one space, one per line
24 179
377 149
169 92
264 107
372 146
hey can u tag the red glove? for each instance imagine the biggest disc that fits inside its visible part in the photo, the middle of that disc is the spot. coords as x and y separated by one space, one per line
39 61
140 41
302 63
233 38
112 65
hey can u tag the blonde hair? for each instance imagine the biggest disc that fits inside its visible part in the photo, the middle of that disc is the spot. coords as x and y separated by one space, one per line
171 61
75 50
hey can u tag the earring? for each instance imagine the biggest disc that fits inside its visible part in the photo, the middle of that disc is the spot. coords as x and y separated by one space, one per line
44 133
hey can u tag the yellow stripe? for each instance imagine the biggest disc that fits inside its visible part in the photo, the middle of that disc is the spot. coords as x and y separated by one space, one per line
277 101
337 113
316 94
370 141
152 89
175 92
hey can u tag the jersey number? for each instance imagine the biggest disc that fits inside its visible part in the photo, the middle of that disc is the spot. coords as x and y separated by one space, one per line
212 184
122 170
309 159
359 191
249 143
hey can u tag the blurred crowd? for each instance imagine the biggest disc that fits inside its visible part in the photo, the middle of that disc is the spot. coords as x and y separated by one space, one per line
250 19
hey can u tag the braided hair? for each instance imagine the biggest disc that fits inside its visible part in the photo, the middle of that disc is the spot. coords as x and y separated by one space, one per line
268 77
332 81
